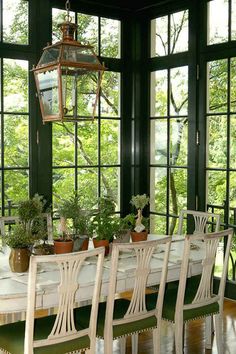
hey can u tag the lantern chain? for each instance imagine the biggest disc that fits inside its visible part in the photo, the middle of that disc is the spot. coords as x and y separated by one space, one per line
67 7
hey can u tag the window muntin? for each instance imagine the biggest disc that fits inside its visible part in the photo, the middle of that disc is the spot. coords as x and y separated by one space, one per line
164 44
15 21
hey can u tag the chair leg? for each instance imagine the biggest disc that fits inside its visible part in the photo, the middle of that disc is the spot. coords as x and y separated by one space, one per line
208 332
135 343
219 332
179 335
122 342
157 340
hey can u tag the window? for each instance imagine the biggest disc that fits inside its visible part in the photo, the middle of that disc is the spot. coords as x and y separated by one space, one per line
86 155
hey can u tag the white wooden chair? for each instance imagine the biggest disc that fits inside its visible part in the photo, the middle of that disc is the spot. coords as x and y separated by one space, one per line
201 220
119 318
56 333
195 299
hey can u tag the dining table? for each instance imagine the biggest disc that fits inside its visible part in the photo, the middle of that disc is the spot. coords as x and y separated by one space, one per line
13 286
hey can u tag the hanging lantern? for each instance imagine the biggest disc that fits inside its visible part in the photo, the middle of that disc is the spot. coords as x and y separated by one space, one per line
68 78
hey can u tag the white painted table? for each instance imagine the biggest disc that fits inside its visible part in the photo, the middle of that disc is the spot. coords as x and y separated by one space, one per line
13 286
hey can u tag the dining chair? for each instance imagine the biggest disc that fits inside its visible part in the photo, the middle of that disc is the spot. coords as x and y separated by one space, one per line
195 297
201 220
58 333
119 317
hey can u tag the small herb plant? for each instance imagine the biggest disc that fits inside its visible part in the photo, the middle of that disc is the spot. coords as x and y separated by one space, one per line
19 238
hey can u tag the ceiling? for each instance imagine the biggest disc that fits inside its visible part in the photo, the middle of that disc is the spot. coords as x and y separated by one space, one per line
133 5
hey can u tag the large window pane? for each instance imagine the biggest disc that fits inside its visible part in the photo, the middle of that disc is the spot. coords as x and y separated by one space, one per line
110 38
87 143
233 20
158 224
179 91
178 190
16 186
233 84
217 137
178 141
16 145
15 21
233 142
217 29
63 142
217 86
110 142
15 85
110 177
159 93
159 141
63 185
110 95
88 186
216 187
88 30
159 45
179 32
158 190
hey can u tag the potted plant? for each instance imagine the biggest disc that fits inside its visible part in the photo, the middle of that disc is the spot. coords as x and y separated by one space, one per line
104 223
29 230
139 230
71 210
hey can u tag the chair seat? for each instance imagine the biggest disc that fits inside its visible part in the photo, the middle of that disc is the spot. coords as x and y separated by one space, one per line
120 308
170 302
14 344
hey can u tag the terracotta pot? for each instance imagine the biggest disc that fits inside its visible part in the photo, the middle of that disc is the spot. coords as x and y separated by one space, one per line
139 236
19 260
101 243
81 243
62 246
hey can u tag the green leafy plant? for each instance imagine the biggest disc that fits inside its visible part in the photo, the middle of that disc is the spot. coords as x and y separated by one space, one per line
137 222
104 223
19 237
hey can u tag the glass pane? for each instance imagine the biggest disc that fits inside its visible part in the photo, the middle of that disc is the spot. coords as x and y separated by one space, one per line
157 225
217 85
159 93
16 142
87 142
173 225
233 142
233 20
110 38
158 141
15 85
110 183
178 190
16 186
178 141
88 186
216 189
63 143
63 185
110 142
88 30
217 29
232 191
179 91
15 21
158 186
58 17
217 137
110 95
48 86
159 44
87 93
233 84
179 32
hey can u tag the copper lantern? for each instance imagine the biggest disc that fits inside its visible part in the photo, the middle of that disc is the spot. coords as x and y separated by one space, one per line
68 78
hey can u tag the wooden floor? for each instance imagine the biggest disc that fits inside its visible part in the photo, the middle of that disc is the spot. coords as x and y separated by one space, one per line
194 337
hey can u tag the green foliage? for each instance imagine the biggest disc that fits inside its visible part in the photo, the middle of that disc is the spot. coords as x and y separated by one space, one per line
104 223
139 201
19 237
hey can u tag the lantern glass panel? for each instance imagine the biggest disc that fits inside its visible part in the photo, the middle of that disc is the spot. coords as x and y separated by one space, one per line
49 56
87 92
76 54
48 91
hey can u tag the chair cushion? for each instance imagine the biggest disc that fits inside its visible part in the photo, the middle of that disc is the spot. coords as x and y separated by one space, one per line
12 338
169 304
120 308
